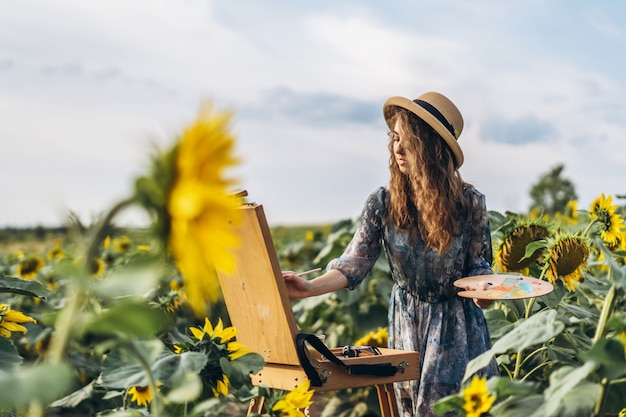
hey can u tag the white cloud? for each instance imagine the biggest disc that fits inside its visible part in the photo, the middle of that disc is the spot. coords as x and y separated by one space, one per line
86 85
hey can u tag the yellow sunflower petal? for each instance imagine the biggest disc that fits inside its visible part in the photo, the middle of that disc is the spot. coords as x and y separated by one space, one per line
476 397
197 333
228 334
18 317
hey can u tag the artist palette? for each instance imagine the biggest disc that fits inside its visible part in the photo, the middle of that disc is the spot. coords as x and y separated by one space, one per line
502 287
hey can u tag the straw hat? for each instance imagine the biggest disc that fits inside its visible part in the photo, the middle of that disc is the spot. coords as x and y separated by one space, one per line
436 110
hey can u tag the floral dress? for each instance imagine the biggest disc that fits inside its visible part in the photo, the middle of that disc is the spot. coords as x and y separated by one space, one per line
425 314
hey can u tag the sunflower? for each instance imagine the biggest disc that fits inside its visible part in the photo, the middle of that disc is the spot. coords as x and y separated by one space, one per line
170 302
122 244
378 338
536 214
218 333
218 344
566 259
511 254
570 213
9 320
142 395
56 252
29 267
202 212
611 223
97 267
477 400
221 386
295 401
236 350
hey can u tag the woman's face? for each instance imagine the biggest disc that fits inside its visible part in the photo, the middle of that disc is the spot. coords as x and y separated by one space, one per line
399 152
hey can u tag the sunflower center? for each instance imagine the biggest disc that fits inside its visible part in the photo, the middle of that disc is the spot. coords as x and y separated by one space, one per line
570 254
514 248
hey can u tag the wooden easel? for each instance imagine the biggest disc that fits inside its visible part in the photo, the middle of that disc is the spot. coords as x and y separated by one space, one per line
259 307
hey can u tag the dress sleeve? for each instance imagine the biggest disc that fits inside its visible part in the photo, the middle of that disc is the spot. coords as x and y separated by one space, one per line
479 254
363 251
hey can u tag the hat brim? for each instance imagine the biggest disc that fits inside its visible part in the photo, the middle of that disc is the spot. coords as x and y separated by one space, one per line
426 116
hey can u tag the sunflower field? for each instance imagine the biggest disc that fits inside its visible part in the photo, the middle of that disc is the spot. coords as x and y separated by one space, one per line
107 321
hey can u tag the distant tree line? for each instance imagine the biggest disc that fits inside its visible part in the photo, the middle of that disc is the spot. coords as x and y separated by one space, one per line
38 233
549 195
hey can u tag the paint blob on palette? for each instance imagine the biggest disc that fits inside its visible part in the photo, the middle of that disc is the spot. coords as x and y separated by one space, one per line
502 287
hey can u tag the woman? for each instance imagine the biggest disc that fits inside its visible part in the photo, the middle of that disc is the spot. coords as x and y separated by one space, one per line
434 229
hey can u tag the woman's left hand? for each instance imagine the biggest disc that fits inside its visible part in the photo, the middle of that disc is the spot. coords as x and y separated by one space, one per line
482 303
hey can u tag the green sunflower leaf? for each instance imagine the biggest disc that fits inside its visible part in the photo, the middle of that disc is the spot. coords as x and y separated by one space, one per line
129 319
537 329
188 389
10 360
580 400
135 279
505 387
452 402
618 272
525 406
609 355
564 382
239 370
125 366
75 398
20 286
532 247
41 383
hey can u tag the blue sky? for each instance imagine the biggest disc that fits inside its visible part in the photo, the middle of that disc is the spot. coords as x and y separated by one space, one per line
87 86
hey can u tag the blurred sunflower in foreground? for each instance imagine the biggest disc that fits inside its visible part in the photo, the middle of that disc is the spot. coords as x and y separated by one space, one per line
477 399
192 206
293 404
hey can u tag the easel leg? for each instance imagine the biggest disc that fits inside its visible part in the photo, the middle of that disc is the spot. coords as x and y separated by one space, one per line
309 411
256 406
387 400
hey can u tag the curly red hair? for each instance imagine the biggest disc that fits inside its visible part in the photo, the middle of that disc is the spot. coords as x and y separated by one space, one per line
429 198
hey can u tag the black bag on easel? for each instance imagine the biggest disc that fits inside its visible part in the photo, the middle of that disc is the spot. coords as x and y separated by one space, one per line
377 369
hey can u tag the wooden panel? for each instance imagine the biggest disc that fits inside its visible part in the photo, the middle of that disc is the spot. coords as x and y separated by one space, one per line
287 377
255 294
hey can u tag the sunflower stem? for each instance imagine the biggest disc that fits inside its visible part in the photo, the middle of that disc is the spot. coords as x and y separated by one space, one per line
606 310
533 353
529 307
146 367
591 223
601 397
518 364
542 364
102 228
65 321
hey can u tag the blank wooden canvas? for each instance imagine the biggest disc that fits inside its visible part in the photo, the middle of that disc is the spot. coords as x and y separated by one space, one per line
255 293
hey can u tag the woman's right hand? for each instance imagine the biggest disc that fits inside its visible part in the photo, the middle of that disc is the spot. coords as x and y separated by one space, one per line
298 287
